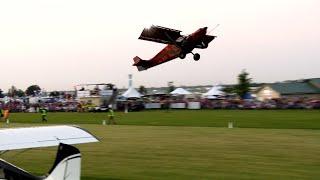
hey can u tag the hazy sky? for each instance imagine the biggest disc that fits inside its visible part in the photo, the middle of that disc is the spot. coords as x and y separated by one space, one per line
58 44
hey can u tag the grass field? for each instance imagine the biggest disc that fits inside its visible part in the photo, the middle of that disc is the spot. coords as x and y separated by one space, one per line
281 144
278 119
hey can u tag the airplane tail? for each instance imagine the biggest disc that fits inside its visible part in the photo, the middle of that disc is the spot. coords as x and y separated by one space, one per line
141 64
67 165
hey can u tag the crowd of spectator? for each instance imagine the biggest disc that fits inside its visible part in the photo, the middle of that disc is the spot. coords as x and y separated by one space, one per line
20 106
295 103
139 104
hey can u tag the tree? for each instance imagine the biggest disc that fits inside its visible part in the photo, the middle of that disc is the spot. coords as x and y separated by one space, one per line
142 90
54 94
12 91
1 94
229 89
170 86
33 90
243 86
20 93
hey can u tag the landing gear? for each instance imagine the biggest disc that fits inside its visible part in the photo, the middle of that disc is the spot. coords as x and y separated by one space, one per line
182 56
196 56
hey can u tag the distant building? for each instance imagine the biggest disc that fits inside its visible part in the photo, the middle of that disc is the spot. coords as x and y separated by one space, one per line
306 88
95 94
315 82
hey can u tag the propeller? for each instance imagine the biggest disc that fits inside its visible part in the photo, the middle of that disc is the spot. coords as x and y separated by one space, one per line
214 28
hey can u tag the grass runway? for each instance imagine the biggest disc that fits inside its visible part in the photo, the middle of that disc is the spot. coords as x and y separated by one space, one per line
188 145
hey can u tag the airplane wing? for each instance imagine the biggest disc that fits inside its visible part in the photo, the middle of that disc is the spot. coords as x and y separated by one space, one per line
160 34
33 137
204 44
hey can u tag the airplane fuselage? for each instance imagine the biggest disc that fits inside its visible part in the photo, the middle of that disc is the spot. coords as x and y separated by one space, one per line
190 41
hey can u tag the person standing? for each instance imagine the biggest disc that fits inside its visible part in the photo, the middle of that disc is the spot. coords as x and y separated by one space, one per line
43 112
111 115
6 114
1 113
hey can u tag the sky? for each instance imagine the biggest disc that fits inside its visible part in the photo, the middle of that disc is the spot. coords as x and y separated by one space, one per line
61 43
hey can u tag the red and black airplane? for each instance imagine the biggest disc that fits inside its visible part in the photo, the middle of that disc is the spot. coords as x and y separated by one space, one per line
178 45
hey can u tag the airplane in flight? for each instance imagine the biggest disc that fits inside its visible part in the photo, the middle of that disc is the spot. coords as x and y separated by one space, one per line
67 165
177 45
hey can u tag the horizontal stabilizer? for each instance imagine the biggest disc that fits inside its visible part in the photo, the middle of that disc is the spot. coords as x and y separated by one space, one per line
33 137
141 68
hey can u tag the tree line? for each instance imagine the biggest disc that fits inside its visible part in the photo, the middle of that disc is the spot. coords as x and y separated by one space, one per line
241 88
15 92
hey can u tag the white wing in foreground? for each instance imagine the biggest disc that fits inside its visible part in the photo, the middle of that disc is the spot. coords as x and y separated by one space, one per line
34 137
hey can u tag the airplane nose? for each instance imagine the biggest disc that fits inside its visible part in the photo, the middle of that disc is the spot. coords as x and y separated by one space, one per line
204 30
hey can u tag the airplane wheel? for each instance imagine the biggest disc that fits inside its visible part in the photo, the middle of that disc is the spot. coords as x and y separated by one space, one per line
196 56
182 56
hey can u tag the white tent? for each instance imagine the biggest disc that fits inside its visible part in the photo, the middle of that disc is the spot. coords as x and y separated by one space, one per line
131 93
180 91
211 97
215 91
158 92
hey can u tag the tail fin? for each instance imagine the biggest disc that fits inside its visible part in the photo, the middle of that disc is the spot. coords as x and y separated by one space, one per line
141 64
67 165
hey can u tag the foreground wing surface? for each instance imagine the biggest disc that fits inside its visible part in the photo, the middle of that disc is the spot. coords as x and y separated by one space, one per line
160 35
33 137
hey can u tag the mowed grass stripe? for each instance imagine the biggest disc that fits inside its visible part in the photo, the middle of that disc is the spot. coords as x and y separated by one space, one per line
277 119
164 152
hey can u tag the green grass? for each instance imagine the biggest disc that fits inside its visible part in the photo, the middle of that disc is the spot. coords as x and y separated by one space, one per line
163 152
268 144
278 119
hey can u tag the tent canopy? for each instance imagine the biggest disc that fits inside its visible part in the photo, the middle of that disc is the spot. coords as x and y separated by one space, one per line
180 91
215 91
131 93
211 97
